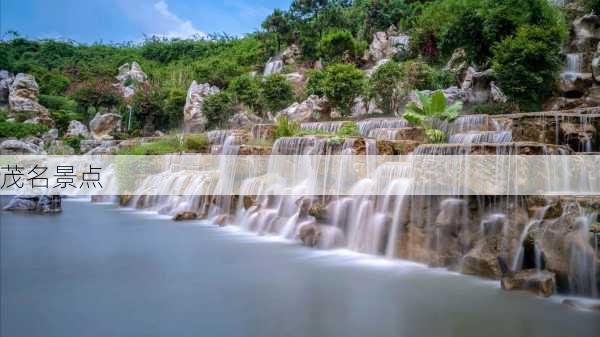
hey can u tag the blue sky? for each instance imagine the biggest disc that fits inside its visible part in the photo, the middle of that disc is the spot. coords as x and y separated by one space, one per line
128 20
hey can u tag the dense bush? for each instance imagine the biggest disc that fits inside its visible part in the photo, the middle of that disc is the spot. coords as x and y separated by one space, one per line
20 130
173 104
315 83
218 108
527 64
196 143
386 87
340 46
74 142
147 105
286 128
277 92
592 6
246 89
97 93
420 76
342 83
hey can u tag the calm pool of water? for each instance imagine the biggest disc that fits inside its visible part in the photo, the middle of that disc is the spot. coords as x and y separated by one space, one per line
99 271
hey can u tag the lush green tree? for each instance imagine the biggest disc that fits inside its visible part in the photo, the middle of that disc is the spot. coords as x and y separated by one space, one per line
173 109
316 83
218 108
277 23
277 92
386 87
342 84
97 94
147 104
246 89
340 46
527 65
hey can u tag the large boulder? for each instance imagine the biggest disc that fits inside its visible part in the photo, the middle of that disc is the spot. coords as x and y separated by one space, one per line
362 107
128 79
595 64
193 117
76 128
243 120
23 100
539 282
34 203
587 32
104 126
304 111
19 147
575 84
6 80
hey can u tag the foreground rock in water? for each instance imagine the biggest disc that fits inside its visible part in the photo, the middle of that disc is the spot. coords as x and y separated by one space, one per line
581 305
183 216
540 282
23 101
193 117
105 126
33 203
16 147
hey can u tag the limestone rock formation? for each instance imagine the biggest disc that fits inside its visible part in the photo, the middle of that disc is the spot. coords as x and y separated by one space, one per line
309 234
23 101
128 78
540 282
193 117
6 80
389 44
496 94
595 64
34 203
16 147
104 126
477 85
274 66
458 64
363 107
304 111
76 128
243 120
291 54
587 32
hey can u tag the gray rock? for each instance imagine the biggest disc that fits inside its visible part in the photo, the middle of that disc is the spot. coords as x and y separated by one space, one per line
496 94
596 64
388 45
6 80
244 120
274 66
128 79
458 63
193 117
304 111
540 282
23 100
291 54
33 203
18 147
104 126
76 128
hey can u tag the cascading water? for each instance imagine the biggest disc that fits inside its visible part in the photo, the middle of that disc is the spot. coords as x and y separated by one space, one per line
492 137
573 66
328 127
367 125
273 66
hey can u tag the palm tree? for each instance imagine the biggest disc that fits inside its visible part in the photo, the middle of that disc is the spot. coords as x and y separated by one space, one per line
430 109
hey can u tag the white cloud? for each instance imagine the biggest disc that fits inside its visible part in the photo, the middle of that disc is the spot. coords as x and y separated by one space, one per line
172 25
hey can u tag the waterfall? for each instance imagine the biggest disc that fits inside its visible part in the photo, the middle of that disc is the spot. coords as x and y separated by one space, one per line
573 66
273 66
327 127
493 137
367 125
518 258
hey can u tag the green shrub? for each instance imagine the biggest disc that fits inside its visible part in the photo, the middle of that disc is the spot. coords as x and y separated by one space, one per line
173 106
348 130
527 65
246 89
196 143
421 76
58 102
285 128
341 85
167 145
74 142
277 92
20 130
315 84
386 87
496 108
340 46
432 108
218 108
62 118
